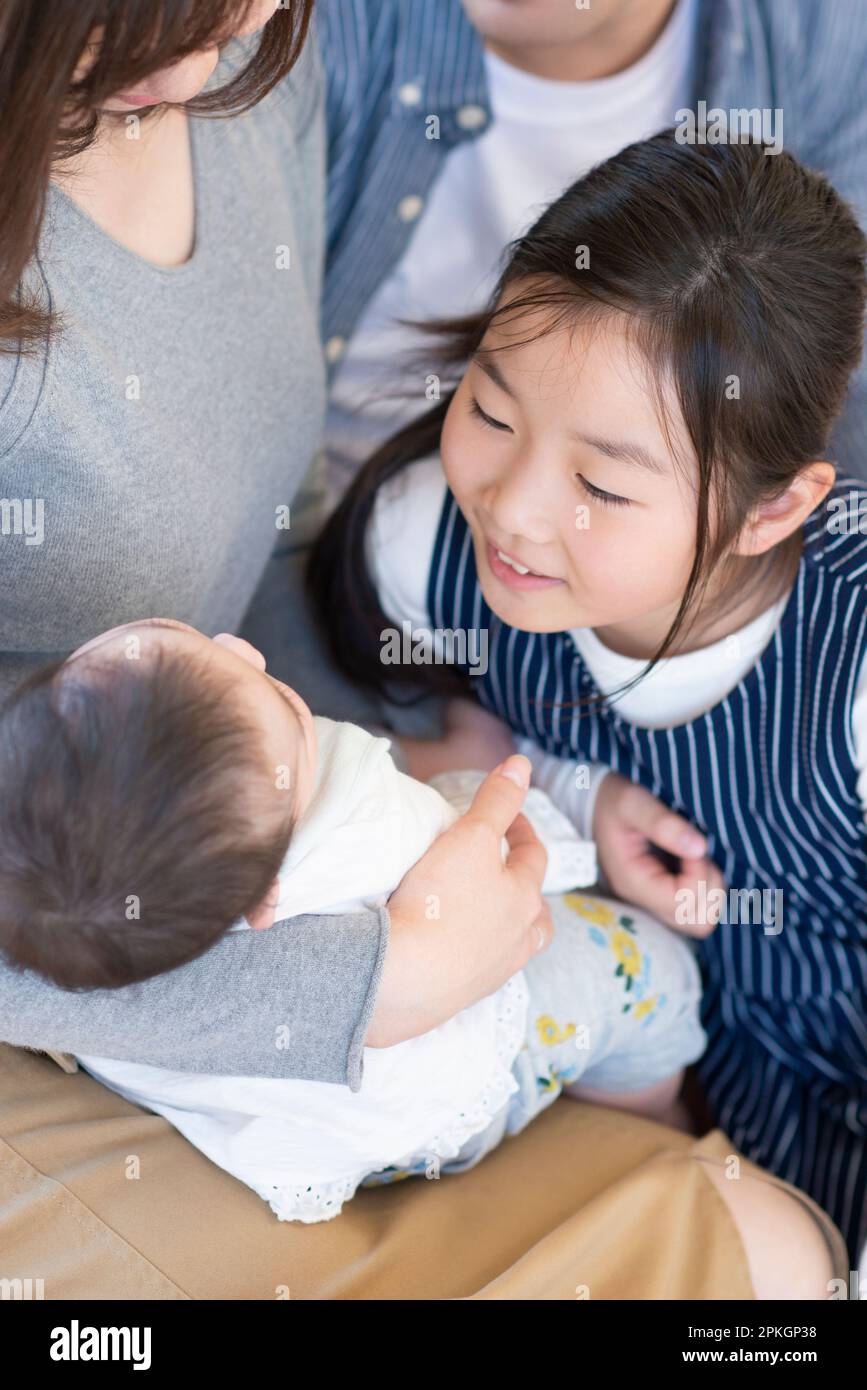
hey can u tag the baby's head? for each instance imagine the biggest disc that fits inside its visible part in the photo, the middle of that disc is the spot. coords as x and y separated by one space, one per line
149 785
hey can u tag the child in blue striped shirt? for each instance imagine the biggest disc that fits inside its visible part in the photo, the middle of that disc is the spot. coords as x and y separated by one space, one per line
630 491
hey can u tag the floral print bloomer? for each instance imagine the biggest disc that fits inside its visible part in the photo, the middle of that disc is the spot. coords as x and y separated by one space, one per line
614 1004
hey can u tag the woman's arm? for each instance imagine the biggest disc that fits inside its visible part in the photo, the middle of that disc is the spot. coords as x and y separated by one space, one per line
303 999
291 1002
472 738
463 922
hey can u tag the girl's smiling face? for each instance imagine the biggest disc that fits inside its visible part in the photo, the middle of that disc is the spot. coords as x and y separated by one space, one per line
562 466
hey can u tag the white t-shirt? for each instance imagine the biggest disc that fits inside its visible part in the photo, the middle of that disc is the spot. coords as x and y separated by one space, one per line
543 136
304 1146
677 690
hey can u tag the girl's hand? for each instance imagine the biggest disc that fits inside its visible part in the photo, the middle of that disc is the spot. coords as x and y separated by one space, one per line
462 921
627 821
473 738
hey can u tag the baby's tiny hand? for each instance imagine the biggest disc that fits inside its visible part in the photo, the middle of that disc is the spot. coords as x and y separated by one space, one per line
472 739
483 735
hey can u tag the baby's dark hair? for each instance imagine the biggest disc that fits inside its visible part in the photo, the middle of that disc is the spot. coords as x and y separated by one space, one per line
138 818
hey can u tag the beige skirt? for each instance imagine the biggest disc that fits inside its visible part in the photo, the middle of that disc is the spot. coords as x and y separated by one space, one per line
99 1199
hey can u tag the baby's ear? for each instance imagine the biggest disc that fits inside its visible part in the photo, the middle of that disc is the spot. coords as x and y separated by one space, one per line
262 916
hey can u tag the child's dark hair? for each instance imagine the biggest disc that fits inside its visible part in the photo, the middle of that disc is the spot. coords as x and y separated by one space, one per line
725 262
136 823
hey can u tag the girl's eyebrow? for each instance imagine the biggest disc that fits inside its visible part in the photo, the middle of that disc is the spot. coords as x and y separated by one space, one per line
492 370
623 449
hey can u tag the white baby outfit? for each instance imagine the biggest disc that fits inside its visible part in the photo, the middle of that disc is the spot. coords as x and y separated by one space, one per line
305 1146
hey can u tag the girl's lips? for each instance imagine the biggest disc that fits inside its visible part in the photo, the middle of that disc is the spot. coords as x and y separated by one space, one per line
137 99
511 578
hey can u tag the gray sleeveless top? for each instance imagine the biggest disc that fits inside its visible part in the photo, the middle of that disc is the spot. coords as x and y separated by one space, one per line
143 459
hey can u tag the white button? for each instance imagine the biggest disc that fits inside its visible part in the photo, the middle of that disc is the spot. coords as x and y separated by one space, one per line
472 117
334 348
409 94
409 207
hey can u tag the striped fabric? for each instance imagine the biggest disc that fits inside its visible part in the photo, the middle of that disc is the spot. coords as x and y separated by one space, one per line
390 64
770 775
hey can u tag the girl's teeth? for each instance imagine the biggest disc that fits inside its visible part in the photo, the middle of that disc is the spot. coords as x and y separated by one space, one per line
521 569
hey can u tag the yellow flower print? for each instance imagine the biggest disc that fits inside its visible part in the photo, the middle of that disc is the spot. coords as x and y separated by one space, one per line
387 1176
627 952
550 1031
592 909
645 1007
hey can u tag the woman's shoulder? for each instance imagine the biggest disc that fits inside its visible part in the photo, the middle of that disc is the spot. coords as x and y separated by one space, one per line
401 536
301 94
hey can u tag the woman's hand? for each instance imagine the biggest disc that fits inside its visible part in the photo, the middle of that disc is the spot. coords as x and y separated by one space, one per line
462 921
627 822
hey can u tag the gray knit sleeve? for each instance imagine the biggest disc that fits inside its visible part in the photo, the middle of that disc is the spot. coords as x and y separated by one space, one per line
295 1001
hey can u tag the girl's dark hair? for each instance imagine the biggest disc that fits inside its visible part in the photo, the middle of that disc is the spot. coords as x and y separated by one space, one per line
48 115
138 819
727 264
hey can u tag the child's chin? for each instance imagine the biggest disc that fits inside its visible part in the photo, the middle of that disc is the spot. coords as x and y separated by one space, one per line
518 612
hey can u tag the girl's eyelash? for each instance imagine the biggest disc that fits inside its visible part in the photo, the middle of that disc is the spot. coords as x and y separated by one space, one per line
476 410
610 499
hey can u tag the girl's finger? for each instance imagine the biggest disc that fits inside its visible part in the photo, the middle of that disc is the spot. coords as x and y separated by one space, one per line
697 894
694 872
656 896
661 826
675 834
679 900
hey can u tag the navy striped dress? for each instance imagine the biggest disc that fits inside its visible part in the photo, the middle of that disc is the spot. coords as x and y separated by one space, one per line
770 775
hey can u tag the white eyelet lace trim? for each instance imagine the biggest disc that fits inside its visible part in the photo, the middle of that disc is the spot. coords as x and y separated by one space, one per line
318 1201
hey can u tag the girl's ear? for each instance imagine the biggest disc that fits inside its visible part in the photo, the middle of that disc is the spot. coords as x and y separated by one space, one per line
773 521
263 914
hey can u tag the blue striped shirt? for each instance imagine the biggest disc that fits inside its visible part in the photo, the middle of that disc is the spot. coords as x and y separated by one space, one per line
770 774
806 57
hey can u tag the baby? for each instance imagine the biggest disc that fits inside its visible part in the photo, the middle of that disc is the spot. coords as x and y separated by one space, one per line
164 789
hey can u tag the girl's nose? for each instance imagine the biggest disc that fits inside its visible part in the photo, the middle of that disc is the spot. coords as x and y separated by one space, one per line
519 504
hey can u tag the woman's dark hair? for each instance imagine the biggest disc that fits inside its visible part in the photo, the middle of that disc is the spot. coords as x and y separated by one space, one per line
49 114
138 819
727 264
